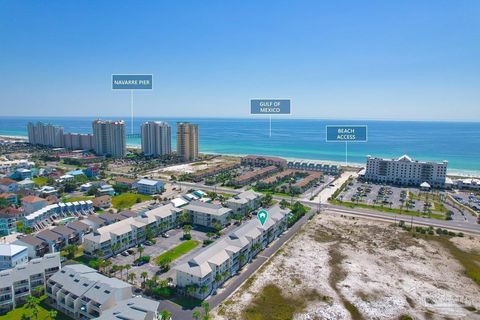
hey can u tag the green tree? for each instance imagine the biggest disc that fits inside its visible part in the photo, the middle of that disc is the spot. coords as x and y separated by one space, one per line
70 250
131 277
165 315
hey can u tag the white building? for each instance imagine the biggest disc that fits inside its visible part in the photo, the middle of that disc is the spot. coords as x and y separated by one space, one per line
17 283
82 293
405 171
129 232
207 214
156 138
12 255
136 308
147 186
244 202
109 138
216 263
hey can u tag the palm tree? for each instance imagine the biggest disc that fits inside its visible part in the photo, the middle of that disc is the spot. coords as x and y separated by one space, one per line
52 314
186 229
128 267
196 315
140 251
131 277
121 268
144 276
165 315
206 310
32 304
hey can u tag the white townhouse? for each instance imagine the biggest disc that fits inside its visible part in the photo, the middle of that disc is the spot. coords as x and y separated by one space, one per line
207 214
136 308
213 265
148 186
11 255
17 283
129 232
82 293
244 202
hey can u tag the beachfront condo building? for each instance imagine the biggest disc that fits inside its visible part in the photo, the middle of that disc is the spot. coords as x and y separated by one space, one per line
406 171
18 283
156 138
187 141
44 134
78 141
109 138
211 267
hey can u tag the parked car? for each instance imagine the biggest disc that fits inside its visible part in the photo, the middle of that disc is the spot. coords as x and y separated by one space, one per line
164 235
125 254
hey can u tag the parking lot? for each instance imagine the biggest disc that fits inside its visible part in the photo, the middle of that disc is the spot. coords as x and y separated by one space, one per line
393 197
162 244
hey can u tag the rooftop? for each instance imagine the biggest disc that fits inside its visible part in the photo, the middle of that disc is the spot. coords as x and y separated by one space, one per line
208 208
10 250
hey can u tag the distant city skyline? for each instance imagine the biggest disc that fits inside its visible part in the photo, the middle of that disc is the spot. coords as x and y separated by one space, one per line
341 60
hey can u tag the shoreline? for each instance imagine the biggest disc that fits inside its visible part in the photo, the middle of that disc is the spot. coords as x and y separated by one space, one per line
452 172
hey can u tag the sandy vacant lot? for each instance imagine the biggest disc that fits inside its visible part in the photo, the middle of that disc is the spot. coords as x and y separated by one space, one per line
345 268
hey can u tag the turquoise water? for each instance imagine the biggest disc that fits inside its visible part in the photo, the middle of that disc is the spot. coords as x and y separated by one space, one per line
457 142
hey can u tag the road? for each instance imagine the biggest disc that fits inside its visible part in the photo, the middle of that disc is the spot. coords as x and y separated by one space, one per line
235 282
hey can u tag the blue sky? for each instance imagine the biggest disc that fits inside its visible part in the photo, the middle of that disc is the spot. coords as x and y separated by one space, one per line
416 60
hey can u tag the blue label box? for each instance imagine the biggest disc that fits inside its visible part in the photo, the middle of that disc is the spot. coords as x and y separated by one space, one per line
270 106
347 133
132 82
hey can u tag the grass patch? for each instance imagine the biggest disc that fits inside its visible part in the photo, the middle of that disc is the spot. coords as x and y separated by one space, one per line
127 200
387 209
80 198
186 302
198 164
470 261
43 309
178 251
271 304
40 181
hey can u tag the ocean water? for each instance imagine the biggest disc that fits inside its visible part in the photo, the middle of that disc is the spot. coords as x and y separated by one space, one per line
457 142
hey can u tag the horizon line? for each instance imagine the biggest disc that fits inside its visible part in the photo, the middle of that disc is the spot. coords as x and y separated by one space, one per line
283 117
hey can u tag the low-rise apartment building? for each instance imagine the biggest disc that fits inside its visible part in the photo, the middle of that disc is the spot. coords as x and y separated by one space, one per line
12 255
251 176
149 187
136 308
262 161
17 283
212 266
207 214
244 202
130 231
82 293
331 169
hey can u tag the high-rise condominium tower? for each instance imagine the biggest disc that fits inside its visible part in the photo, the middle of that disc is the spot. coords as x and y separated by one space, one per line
109 138
156 138
187 141
45 134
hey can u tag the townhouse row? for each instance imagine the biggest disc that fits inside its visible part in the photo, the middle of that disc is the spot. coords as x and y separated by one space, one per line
210 268
19 282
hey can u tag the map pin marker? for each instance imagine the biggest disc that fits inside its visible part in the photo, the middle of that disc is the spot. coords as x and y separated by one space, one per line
262 215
